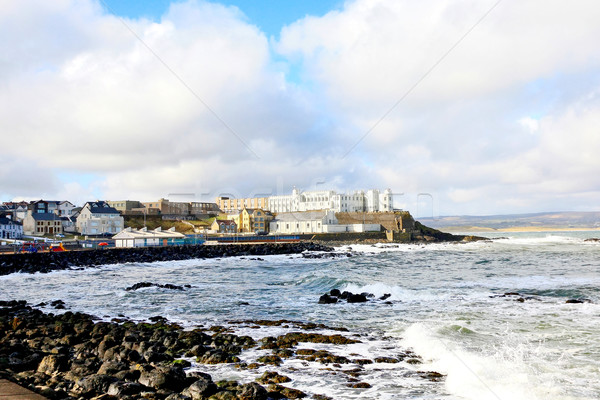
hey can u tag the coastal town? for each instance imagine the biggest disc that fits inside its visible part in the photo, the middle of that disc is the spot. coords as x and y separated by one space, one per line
132 223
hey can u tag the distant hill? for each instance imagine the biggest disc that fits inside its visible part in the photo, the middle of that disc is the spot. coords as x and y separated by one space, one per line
538 221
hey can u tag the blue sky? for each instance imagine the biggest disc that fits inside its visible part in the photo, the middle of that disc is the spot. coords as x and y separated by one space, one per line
270 16
201 98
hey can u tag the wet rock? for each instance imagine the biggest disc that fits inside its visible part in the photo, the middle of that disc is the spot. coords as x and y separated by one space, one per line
121 389
172 378
142 285
94 385
269 377
203 388
431 375
359 385
577 301
252 391
327 299
357 298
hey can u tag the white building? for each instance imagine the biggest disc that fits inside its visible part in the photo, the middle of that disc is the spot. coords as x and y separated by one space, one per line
10 229
359 201
322 221
97 218
142 237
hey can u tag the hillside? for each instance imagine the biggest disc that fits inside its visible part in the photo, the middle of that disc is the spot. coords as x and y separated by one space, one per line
512 222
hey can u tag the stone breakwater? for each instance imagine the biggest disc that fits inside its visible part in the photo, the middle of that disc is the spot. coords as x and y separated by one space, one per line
72 355
46 262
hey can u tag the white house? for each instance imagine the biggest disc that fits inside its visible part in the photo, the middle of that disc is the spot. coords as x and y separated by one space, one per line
97 218
322 221
303 222
142 237
10 229
359 201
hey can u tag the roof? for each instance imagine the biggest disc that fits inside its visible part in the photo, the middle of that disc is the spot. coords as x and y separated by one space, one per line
100 207
301 216
45 217
8 221
225 221
158 233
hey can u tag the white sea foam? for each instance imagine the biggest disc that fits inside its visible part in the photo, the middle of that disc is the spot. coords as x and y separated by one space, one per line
514 370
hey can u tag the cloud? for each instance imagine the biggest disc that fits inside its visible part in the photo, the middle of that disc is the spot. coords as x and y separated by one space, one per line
200 102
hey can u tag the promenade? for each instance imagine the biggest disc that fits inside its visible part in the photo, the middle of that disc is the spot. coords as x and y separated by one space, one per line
12 391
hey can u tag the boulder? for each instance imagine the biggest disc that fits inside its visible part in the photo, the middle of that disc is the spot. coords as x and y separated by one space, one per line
203 388
252 391
53 363
357 298
172 378
327 299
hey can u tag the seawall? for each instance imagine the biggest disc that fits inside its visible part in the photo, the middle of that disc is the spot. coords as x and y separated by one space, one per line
46 262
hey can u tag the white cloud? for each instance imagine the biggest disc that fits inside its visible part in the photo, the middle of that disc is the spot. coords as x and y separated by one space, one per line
83 94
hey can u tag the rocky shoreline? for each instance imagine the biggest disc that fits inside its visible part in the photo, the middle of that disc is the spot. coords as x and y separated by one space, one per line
46 262
73 355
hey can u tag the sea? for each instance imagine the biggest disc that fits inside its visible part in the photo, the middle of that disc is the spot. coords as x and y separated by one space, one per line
491 317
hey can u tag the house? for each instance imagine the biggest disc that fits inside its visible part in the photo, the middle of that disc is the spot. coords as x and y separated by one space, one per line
358 201
232 205
99 218
142 237
202 209
10 229
17 209
254 220
322 221
127 207
42 223
169 209
223 226
303 222
64 208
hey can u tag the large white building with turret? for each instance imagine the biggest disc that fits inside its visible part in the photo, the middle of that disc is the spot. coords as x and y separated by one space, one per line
358 201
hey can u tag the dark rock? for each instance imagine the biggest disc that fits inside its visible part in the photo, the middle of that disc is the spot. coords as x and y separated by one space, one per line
327 299
269 377
252 391
576 301
121 389
385 296
357 298
94 385
335 293
172 378
201 389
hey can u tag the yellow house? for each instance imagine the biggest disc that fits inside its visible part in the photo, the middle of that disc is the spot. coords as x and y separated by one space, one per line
254 220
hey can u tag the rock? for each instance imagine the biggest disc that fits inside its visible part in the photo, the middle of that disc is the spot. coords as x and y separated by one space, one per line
53 363
335 293
357 298
112 367
269 377
172 378
326 299
360 385
286 392
385 296
252 391
121 389
576 301
201 389
94 384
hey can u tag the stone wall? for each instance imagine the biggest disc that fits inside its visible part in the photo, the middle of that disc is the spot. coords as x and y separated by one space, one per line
394 221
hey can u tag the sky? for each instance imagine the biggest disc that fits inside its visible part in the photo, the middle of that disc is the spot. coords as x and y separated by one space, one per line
462 107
